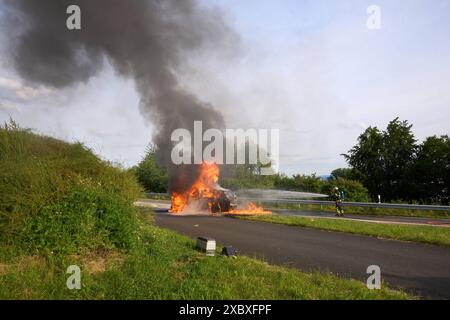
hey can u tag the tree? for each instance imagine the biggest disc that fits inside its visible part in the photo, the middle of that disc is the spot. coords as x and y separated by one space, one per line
430 173
399 151
384 158
347 173
367 158
153 177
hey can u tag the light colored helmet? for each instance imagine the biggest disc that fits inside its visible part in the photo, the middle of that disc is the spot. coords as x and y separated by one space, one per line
336 188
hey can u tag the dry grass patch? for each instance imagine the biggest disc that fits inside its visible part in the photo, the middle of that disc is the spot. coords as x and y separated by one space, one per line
20 264
99 261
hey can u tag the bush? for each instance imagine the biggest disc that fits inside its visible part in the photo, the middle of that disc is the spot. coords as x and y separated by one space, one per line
150 175
85 218
300 182
354 190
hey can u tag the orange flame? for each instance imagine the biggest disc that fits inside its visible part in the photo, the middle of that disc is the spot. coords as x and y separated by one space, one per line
207 190
251 209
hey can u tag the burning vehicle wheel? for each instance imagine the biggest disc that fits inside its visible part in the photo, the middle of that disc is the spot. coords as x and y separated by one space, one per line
215 207
223 201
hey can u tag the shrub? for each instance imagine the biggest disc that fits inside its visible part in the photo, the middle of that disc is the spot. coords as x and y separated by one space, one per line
85 218
151 176
353 190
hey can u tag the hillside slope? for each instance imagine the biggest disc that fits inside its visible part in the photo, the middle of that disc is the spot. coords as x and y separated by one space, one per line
58 196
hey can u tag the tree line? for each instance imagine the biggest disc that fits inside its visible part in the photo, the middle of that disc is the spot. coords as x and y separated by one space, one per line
390 163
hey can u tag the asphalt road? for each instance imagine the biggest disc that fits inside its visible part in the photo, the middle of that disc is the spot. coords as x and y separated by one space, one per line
418 268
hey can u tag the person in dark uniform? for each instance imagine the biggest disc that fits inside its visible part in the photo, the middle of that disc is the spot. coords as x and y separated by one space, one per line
338 197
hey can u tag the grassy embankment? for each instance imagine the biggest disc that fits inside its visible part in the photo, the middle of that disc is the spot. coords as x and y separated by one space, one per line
60 205
426 234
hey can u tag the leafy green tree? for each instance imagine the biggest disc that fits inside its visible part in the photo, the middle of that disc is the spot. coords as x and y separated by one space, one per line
367 158
430 173
383 158
399 151
153 177
393 165
347 173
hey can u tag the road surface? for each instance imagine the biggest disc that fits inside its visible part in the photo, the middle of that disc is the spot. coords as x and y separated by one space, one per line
418 268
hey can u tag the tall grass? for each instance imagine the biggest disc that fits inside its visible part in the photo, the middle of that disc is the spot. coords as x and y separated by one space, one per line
59 196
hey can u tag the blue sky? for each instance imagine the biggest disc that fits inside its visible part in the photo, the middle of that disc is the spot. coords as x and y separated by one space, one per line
310 68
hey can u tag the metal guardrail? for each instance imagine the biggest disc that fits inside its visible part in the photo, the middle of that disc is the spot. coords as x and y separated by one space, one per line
355 204
344 203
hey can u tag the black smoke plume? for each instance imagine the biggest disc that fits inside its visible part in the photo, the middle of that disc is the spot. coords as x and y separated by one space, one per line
142 40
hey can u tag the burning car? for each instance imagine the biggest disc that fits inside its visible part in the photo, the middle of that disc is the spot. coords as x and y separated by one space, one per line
206 195
216 200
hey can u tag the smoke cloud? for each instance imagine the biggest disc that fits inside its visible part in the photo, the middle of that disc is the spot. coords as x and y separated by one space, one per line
143 40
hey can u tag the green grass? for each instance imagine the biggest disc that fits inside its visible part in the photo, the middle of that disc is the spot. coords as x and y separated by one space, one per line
50 190
426 234
166 265
364 210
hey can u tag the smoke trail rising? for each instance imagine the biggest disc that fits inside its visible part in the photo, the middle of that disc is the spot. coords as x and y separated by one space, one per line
142 40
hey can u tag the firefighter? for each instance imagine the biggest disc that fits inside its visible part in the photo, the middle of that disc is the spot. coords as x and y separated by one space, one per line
338 197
